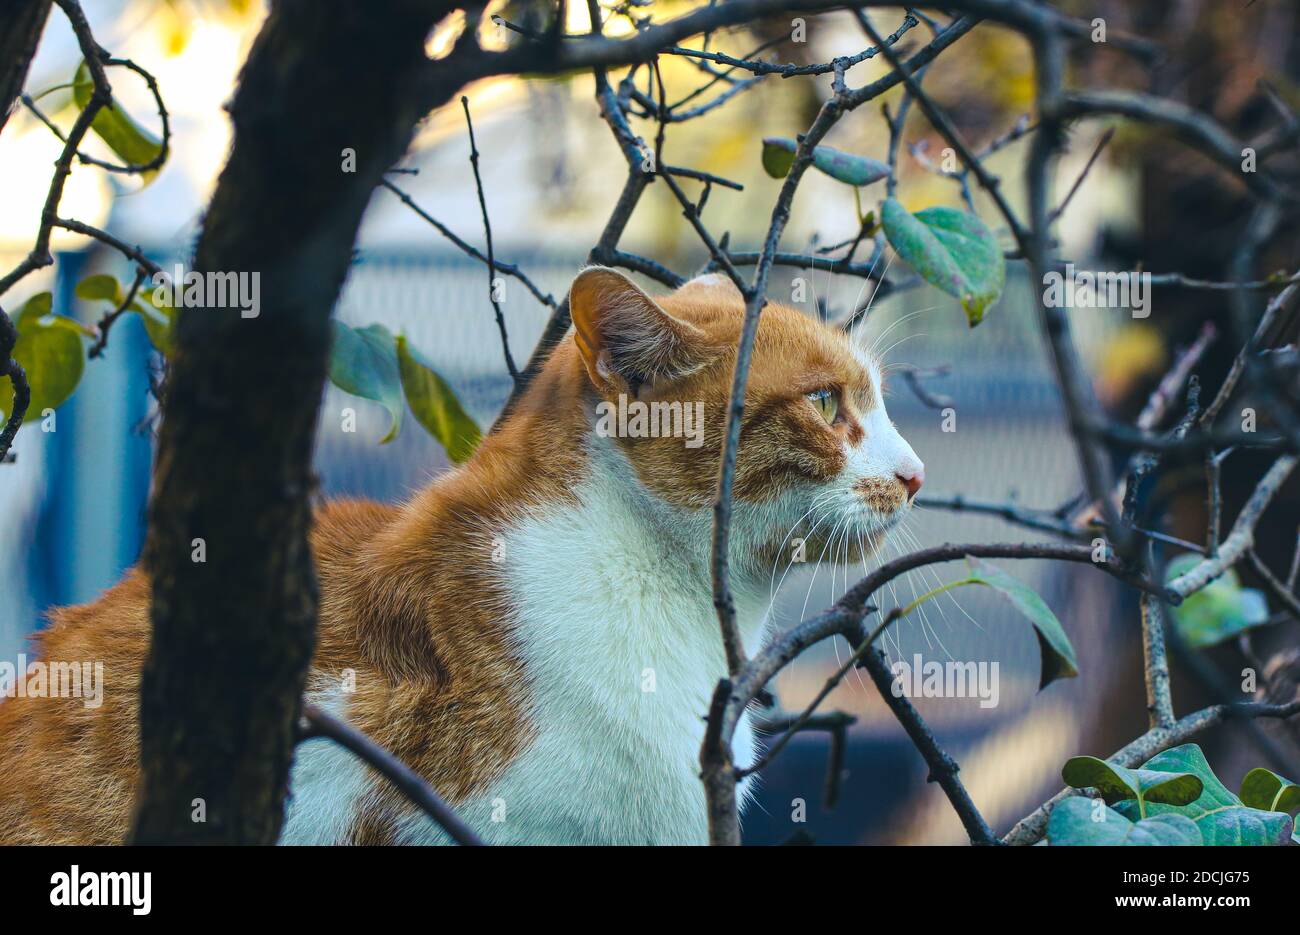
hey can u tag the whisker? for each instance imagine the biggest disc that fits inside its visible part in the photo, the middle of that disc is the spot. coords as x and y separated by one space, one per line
867 311
901 319
773 592
886 352
817 501
937 583
822 500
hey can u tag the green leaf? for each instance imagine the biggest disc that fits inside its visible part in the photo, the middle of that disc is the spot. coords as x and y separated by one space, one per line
1220 610
100 287
1117 783
1265 789
950 249
1222 817
848 168
363 361
435 405
132 143
1058 659
778 156
38 306
49 349
159 320
1073 822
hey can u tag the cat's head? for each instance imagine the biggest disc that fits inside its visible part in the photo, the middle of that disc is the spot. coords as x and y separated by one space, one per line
819 458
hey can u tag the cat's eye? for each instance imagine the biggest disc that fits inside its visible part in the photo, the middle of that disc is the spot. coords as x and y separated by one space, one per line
826 402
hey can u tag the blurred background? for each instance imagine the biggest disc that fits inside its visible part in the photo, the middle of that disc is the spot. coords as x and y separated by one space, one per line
74 500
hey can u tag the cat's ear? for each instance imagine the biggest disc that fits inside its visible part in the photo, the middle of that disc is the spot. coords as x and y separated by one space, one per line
622 332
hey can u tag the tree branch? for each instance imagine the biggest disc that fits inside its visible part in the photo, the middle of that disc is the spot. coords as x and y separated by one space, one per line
320 723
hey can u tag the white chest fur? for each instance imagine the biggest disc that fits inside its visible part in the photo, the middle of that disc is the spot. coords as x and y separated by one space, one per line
620 643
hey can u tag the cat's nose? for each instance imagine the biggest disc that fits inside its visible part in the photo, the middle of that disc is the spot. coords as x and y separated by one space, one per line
912 479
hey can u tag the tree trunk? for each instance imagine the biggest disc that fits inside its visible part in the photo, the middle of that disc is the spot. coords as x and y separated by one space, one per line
233 634
21 25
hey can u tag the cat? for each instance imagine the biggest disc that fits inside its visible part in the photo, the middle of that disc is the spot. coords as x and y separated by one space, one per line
533 632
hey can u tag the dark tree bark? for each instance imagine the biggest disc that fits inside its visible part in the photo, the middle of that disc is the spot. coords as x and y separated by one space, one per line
21 25
233 635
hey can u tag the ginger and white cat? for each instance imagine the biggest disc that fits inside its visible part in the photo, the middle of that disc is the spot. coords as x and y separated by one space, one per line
534 632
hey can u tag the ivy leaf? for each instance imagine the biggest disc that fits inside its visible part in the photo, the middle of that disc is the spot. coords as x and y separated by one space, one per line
1220 610
1058 659
434 404
950 249
778 156
1265 789
363 362
1222 817
1074 823
1117 783
129 141
49 349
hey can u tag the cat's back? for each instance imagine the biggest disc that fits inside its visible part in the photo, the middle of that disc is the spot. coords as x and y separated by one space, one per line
71 762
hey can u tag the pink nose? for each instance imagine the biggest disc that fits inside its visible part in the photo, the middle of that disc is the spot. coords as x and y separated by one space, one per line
913 481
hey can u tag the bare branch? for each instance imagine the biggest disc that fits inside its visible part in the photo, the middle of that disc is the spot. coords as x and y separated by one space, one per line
1281 593
508 268
106 322
567 53
1043 520
1078 182
1192 127
943 768
791 70
18 378
1242 537
320 723
912 377
491 258
139 168
1261 338
1160 706
1171 385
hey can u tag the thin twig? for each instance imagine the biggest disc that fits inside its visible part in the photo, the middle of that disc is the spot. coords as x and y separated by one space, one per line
1043 520
491 259
1281 593
509 269
320 723
1065 202
106 322
1160 706
17 377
